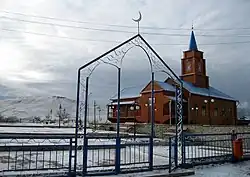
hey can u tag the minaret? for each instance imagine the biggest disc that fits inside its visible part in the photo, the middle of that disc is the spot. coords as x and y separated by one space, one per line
193 65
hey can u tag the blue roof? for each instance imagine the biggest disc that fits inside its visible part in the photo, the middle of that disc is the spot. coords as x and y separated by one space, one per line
132 92
192 43
129 92
206 91
166 86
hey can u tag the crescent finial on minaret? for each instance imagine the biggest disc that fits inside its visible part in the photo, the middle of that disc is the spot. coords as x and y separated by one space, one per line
138 21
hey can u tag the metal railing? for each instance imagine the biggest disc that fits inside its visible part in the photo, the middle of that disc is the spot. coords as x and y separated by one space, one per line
202 149
134 155
34 153
50 153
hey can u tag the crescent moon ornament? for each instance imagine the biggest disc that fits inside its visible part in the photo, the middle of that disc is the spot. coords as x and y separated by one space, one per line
138 21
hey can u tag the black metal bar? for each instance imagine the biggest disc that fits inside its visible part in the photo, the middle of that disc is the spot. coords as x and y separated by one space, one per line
49 159
151 146
43 158
37 156
169 155
56 159
118 140
8 158
34 148
30 160
15 160
85 140
182 137
23 159
77 117
106 53
176 127
70 158
63 157
35 136
98 155
134 155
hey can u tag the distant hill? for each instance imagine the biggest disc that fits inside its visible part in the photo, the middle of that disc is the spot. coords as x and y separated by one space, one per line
31 106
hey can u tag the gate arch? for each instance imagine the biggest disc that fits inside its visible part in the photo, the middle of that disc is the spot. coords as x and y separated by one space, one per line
115 57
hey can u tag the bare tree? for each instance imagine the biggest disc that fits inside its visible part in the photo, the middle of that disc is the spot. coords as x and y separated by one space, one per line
63 115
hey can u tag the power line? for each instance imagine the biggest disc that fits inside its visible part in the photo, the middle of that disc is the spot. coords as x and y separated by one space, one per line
123 26
121 31
67 26
219 43
55 36
111 41
85 22
67 20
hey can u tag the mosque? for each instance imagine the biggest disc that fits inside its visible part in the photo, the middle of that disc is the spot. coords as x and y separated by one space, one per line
202 103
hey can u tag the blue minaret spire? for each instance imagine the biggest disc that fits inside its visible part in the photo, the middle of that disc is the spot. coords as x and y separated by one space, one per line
192 43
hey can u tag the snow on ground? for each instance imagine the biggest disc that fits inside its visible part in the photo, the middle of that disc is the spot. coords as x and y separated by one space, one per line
36 130
50 130
241 169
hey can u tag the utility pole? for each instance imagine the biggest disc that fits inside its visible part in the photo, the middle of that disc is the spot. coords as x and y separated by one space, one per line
60 113
88 111
95 114
99 109
50 114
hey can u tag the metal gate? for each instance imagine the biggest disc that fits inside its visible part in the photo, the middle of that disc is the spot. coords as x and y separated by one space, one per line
114 58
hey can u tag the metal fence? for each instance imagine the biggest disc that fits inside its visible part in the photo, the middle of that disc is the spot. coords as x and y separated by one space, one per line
26 153
201 149
50 153
100 158
34 153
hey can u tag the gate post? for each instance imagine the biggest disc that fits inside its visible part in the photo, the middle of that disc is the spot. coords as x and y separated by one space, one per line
151 145
170 154
85 156
184 149
70 157
118 140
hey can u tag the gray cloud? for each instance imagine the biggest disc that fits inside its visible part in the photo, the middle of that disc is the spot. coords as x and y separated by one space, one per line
35 65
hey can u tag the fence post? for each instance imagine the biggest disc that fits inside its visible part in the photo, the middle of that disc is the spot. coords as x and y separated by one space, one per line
118 139
175 152
70 157
184 149
233 137
169 155
85 156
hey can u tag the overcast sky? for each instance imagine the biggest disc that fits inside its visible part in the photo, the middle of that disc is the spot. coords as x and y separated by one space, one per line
40 56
